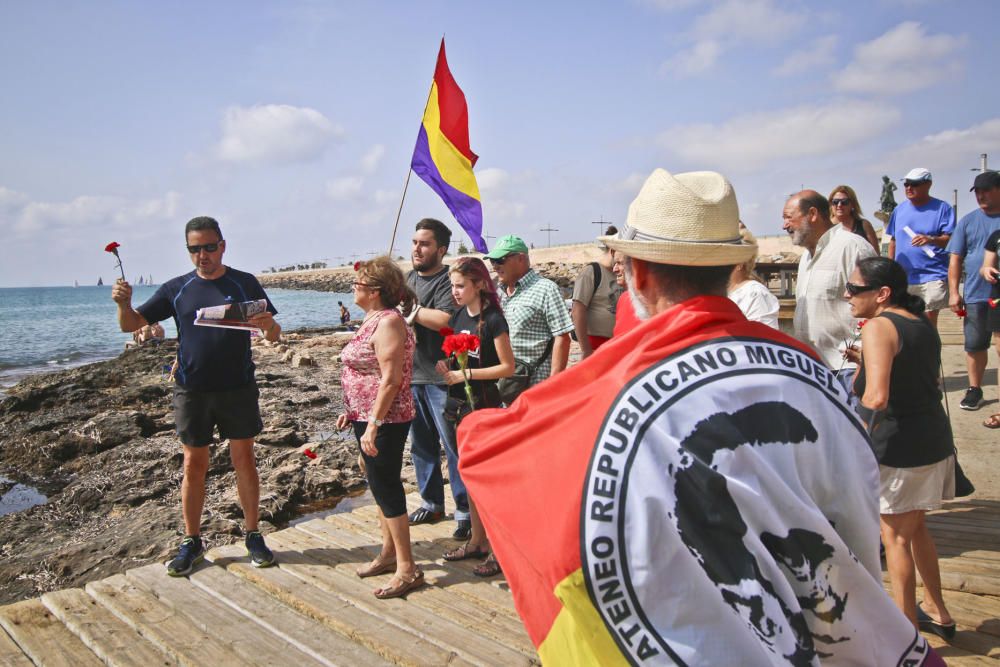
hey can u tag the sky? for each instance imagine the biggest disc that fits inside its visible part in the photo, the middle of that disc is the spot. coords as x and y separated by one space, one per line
293 123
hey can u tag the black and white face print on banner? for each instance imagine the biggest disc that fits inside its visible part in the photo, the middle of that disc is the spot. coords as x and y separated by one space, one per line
709 512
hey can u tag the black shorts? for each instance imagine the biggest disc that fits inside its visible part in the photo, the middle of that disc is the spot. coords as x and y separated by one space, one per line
234 411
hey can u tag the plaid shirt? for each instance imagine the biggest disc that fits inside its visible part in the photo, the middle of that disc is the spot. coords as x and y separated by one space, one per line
536 313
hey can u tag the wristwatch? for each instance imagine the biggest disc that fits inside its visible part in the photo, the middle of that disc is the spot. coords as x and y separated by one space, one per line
377 422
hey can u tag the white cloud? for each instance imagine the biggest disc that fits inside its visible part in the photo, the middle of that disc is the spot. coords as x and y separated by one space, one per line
957 149
24 217
699 58
819 54
902 60
274 133
347 187
730 24
754 140
492 179
371 160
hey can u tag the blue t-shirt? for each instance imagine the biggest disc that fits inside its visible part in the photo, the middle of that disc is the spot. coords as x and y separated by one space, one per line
210 358
969 241
934 218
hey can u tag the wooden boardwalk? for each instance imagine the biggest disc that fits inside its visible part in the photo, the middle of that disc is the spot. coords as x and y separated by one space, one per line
313 610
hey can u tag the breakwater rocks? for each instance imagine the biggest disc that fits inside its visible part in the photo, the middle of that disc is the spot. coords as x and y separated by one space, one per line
339 280
99 442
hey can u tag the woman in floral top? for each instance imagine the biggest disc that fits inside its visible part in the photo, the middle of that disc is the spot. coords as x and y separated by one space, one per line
375 377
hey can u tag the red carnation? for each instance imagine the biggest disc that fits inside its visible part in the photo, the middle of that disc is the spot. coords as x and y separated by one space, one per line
459 346
993 302
113 249
309 453
357 265
446 331
960 312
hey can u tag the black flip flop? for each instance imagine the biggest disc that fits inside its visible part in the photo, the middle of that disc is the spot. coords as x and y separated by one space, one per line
928 624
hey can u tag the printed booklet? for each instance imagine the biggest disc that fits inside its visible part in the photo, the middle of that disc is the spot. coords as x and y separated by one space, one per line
231 315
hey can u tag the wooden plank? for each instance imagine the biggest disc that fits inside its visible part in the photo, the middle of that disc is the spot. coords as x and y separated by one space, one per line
479 615
252 643
459 574
309 635
955 656
393 643
110 638
160 624
43 638
410 613
11 654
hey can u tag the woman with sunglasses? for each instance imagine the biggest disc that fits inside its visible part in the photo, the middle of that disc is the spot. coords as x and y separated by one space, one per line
375 377
897 381
846 210
479 313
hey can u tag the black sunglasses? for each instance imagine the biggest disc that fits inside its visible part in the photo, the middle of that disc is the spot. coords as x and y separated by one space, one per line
839 202
207 247
499 260
912 184
855 290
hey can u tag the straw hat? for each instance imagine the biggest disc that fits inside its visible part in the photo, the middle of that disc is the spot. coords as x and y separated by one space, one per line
687 219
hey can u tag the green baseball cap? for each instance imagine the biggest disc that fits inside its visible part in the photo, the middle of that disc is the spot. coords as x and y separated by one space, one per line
507 245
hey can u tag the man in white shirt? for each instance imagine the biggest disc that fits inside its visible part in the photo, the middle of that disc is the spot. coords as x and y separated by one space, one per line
822 316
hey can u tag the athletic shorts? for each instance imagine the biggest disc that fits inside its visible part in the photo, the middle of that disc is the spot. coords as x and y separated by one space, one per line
977 326
934 293
234 411
904 490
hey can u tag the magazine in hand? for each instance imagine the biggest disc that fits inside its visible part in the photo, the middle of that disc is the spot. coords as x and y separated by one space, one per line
231 315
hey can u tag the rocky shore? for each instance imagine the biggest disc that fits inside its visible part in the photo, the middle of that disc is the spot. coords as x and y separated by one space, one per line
99 441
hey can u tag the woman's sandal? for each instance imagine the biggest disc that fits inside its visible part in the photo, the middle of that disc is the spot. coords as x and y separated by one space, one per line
928 624
489 567
993 421
463 552
376 567
400 586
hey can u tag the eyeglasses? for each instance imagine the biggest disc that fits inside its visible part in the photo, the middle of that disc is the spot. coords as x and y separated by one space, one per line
855 290
913 184
207 247
839 202
499 260
369 286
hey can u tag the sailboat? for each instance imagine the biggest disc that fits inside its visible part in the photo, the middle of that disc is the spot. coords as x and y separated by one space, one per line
100 281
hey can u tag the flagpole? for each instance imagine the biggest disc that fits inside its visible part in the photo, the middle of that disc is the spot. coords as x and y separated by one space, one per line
409 172
400 211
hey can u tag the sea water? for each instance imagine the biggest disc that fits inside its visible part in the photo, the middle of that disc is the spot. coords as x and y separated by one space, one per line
50 328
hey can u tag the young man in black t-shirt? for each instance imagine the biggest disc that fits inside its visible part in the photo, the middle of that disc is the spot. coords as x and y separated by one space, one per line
215 381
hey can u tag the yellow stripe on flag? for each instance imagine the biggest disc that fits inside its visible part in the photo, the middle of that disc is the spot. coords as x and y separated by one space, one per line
578 636
455 168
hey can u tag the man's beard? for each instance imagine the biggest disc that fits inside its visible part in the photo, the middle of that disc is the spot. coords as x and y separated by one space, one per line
637 305
426 264
802 233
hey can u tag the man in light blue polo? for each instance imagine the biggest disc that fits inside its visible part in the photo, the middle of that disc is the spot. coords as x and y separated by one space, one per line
967 247
920 228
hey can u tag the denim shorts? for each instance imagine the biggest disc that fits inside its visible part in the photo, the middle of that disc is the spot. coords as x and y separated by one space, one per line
977 327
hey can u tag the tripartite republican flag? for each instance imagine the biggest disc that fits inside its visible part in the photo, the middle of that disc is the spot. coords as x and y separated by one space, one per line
442 156
699 491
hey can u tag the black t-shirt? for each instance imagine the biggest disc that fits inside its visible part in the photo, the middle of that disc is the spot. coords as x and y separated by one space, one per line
210 358
493 324
992 244
432 292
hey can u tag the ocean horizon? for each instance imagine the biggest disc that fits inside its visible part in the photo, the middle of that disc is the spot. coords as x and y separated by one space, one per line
44 329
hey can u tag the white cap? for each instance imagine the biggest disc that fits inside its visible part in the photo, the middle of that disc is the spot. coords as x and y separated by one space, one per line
917 175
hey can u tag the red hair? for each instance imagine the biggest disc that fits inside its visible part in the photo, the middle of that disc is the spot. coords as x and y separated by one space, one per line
475 269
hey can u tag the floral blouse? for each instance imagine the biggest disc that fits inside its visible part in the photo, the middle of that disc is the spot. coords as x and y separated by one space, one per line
360 374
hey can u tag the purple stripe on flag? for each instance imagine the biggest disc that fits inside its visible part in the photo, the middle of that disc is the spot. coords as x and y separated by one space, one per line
467 210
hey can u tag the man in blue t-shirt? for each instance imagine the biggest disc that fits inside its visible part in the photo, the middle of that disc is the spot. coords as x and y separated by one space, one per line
215 381
920 228
967 246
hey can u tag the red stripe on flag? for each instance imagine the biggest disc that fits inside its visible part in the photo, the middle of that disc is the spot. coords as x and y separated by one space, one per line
453 109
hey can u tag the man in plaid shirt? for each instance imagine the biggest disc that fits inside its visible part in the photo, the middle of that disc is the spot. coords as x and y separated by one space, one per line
535 310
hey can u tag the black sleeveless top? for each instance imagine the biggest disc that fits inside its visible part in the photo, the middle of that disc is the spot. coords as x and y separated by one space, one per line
918 428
